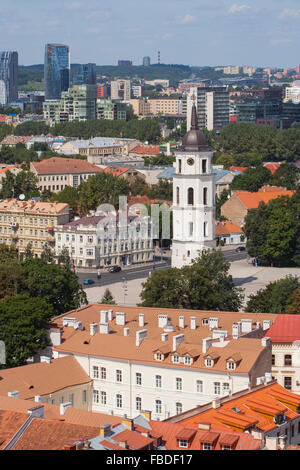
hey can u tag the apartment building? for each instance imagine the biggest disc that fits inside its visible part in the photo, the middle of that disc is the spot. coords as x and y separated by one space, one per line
34 222
99 241
120 89
212 105
166 105
231 70
166 361
54 174
111 110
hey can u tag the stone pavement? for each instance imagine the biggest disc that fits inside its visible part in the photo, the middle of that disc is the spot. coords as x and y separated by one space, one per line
249 277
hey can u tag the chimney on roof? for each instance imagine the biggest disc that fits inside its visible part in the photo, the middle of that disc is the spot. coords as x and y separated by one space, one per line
104 328
206 343
181 321
45 359
236 330
128 422
246 325
64 406
120 318
14 394
213 323
141 319
93 328
126 331
266 324
162 321
110 315
104 316
177 340
140 336
38 398
55 336
105 430
216 403
193 323
37 411
165 337
205 426
266 341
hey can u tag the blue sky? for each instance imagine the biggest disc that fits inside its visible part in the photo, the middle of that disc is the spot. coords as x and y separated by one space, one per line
192 32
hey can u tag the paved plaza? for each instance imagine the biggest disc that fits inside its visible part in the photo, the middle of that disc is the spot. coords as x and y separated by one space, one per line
245 275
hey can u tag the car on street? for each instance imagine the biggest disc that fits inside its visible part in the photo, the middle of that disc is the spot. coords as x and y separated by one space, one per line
114 269
240 248
87 282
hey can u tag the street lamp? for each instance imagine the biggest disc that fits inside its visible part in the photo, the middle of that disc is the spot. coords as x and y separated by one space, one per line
124 287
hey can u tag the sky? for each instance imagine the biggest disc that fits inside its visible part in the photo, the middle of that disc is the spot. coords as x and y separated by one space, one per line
191 32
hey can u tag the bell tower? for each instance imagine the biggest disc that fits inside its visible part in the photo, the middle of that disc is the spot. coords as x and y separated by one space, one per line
193 197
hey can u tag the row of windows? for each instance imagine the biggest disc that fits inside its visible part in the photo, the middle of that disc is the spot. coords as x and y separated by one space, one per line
91 240
24 232
36 244
287 360
101 373
59 178
190 196
29 220
203 166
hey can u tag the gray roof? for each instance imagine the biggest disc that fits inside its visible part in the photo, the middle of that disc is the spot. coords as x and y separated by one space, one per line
167 173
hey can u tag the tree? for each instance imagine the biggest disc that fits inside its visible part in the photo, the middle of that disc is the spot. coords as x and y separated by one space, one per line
275 298
205 284
7 253
220 200
24 182
12 278
294 307
107 298
23 323
252 179
57 284
287 175
68 195
47 254
28 253
64 258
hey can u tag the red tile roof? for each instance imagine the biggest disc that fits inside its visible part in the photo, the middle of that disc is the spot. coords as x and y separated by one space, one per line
252 200
227 228
272 167
285 329
146 150
60 165
238 168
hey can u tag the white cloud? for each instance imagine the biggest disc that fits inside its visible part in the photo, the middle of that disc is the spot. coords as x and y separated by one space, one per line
73 5
188 19
289 13
238 8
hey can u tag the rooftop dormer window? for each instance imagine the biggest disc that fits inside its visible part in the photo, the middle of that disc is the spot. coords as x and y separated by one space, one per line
209 362
183 444
176 359
231 365
188 360
159 357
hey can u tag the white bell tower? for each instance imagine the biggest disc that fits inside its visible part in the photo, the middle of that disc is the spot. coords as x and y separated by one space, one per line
193 198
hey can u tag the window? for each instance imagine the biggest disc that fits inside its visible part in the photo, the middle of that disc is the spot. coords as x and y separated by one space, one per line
209 362
119 401
158 381
103 373
118 376
273 359
176 359
179 166
177 196
182 443
84 396
205 229
71 399
138 403
204 166
95 396
226 448
191 196
225 388
103 398
288 383
158 407
178 383
95 372
205 196
159 356
187 360
191 229
178 408
206 446
138 378
287 360
199 386
217 388
231 365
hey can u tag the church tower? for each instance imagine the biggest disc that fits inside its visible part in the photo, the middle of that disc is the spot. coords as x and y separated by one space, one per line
193 197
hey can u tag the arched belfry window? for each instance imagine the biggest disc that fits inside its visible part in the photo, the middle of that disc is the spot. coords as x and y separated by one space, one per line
177 196
205 196
191 196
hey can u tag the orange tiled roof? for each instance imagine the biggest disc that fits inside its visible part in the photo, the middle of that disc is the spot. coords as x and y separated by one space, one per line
238 168
115 170
60 165
146 150
273 167
227 228
16 139
133 439
252 200
285 329
32 207
118 346
258 407
43 378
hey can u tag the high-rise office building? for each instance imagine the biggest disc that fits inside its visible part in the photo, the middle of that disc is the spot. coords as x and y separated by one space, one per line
146 61
212 105
56 70
8 77
120 89
85 74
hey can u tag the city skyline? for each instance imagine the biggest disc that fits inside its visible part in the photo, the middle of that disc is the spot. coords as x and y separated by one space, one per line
194 33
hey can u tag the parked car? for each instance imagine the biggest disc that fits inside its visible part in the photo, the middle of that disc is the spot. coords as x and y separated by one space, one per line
240 248
87 282
114 269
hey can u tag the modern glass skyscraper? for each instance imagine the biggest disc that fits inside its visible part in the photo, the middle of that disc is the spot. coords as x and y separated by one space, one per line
56 70
8 77
85 74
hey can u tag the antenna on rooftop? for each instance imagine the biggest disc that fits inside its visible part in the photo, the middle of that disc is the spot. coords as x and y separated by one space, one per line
158 57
